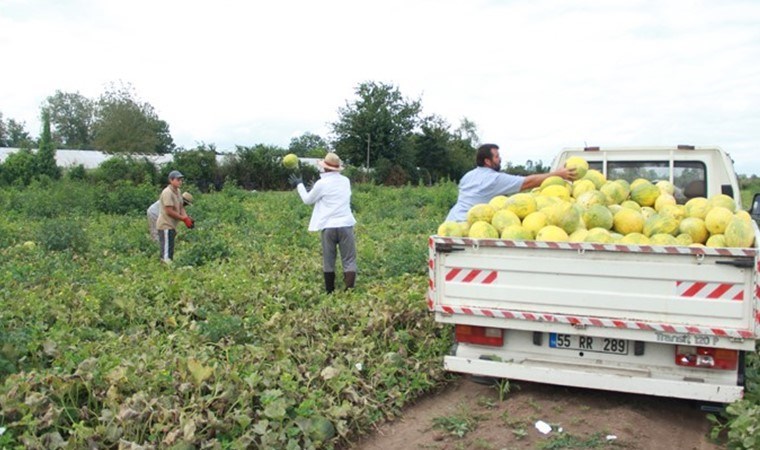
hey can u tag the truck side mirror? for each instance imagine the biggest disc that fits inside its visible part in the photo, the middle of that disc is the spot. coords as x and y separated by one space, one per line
754 211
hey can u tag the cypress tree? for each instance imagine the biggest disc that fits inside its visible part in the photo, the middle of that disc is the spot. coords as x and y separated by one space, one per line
46 154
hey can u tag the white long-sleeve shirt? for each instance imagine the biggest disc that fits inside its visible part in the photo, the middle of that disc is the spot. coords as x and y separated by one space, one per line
154 209
331 197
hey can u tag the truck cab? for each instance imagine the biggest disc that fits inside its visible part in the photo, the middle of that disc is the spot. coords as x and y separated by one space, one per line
694 171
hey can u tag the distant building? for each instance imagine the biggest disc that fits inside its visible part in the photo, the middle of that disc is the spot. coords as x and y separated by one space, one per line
91 159
310 161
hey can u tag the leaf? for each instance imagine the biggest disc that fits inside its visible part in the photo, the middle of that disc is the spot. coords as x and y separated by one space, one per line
329 372
243 420
188 431
276 409
50 348
261 427
340 411
116 375
199 372
171 437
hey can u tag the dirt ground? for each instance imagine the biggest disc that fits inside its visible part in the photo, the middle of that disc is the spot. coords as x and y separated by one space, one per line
586 418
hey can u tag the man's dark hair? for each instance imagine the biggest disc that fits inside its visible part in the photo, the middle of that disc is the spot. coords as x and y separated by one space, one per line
484 152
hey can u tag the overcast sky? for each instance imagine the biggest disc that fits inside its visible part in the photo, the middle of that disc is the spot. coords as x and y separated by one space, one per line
535 76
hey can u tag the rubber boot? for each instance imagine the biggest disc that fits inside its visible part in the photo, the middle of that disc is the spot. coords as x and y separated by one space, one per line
329 282
349 278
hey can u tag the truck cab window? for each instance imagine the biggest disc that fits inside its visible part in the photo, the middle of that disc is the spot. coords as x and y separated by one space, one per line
689 178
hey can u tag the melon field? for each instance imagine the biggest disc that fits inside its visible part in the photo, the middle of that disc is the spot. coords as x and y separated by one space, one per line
234 345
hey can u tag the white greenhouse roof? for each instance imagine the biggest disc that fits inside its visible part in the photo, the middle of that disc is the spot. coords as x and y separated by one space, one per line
91 159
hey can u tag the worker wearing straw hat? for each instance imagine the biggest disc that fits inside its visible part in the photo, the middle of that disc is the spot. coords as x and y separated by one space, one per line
332 217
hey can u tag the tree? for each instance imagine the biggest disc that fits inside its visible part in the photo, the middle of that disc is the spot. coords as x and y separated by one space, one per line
468 131
308 144
432 148
124 124
529 168
462 149
198 166
257 167
13 134
3 132
165 140
71 116
45 157
379 123
442 153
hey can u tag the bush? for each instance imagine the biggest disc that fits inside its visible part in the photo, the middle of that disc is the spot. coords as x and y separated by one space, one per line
63 234
19 168
204 245
77 173
7 234
220 326
46 198
199 168
257 167
134 170
122 197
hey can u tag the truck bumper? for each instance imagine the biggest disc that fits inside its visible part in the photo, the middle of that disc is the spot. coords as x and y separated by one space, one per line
633 381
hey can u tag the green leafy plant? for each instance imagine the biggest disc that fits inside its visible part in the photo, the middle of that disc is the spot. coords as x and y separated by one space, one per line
503 387
458 424
234 346
567 440
740 424
64 234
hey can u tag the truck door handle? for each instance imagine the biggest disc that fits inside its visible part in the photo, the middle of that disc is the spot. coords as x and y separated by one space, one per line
741 262
448 248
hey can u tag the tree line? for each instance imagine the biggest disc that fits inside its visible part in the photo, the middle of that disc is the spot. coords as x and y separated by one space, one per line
383 136
118 121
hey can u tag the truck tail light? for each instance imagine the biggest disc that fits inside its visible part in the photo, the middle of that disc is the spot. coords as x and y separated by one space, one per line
479 335
706 357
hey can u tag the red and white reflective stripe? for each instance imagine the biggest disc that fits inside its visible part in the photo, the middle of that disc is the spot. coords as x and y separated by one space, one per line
757 294
596 322
673 250
475 276
431 274
713 291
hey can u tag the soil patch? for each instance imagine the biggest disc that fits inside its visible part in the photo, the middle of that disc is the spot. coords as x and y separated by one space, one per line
468 415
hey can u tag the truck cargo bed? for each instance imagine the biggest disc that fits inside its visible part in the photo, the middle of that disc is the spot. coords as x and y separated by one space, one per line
659 289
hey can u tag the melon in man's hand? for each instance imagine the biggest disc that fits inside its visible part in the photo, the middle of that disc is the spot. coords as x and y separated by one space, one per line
579 164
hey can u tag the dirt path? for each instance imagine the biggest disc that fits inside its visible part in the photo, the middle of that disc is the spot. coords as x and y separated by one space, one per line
587 418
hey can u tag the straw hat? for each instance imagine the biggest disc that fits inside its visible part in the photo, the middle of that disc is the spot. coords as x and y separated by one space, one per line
187 197
331 162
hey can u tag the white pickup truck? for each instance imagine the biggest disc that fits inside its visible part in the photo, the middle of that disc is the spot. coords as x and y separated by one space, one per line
671 321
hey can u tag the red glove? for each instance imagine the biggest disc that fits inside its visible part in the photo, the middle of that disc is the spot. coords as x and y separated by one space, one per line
189 222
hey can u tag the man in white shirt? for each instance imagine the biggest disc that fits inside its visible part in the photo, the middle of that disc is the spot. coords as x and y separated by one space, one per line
332 217
486 181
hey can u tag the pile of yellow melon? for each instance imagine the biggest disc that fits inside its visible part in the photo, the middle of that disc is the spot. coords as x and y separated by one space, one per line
593 209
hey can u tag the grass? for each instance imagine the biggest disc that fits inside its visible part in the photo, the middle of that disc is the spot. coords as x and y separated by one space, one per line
569 441
458 424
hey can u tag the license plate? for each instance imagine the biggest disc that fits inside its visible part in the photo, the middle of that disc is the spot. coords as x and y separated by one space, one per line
588 343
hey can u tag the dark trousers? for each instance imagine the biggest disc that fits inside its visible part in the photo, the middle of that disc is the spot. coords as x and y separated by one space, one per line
166 243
